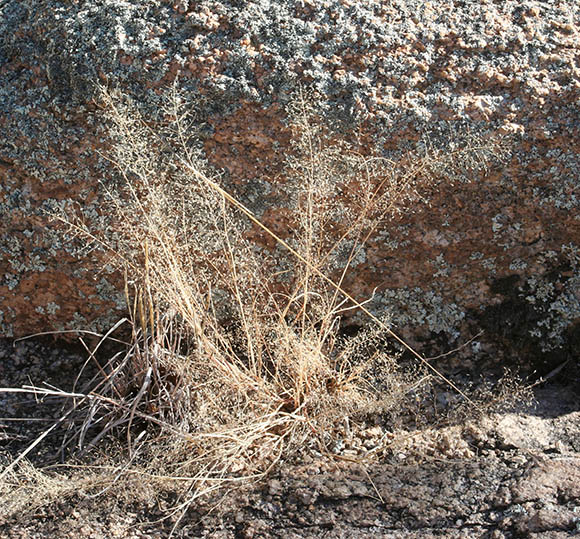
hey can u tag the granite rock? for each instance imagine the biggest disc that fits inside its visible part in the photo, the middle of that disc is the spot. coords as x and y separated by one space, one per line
499 251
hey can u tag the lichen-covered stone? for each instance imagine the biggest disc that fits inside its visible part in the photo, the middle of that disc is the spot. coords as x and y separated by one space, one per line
498 252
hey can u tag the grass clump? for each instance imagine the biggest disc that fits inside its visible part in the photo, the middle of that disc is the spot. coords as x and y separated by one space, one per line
236 358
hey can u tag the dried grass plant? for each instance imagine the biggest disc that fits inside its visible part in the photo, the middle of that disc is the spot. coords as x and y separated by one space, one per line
236 358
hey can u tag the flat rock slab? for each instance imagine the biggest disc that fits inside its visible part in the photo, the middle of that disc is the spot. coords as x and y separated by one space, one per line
498 495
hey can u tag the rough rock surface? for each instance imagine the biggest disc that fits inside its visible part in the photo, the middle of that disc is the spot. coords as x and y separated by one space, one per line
502 476
492 497
499 253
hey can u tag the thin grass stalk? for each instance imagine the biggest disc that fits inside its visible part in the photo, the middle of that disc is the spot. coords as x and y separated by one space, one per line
327 279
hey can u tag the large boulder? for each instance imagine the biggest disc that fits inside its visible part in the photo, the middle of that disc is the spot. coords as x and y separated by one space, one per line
500 252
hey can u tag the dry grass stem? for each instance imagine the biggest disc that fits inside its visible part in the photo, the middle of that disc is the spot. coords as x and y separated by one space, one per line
236 357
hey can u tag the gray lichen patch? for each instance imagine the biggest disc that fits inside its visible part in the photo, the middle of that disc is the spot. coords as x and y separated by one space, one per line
555 297
109 293
409 307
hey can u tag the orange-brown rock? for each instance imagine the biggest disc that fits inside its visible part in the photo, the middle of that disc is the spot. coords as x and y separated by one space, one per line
500 252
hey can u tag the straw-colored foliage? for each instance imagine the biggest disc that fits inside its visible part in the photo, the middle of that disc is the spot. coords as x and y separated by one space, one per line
236 356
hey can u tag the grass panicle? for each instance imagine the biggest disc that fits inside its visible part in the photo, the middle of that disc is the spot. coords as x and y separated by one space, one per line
236 358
